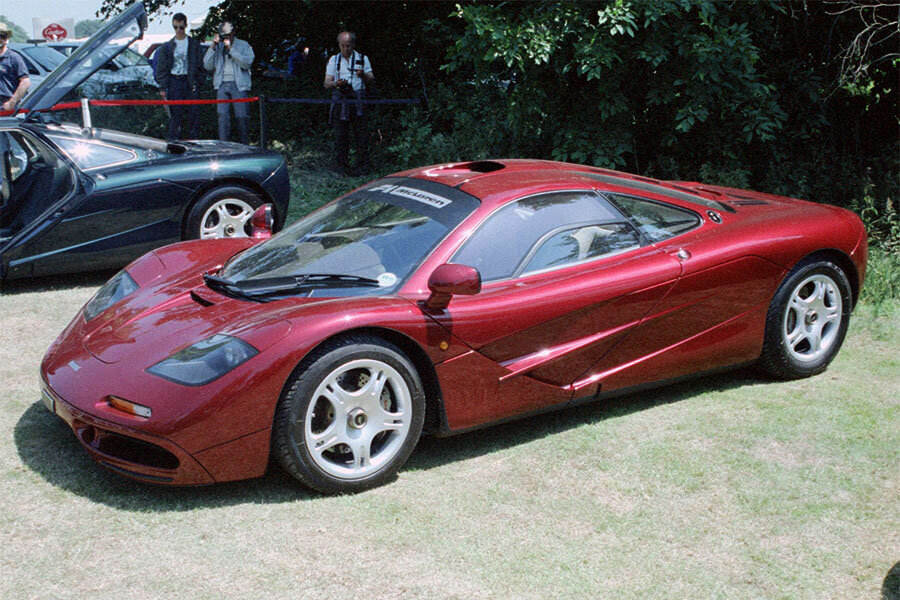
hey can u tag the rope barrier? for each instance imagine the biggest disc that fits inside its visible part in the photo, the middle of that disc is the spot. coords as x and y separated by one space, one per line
341 101
75 105
261 99
169 102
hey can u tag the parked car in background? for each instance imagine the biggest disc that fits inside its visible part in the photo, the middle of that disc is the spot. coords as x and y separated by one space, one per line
127 75
39 59
76 200
443 298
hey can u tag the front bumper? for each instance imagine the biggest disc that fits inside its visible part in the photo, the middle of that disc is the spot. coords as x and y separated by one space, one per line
127 451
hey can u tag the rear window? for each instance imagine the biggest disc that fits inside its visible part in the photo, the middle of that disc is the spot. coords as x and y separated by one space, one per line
655 220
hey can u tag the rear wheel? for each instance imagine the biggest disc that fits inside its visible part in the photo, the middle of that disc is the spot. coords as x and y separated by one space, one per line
349 420
222 212
807 321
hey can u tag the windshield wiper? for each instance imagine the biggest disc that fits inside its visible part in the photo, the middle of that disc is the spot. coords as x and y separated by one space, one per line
224 286
249 288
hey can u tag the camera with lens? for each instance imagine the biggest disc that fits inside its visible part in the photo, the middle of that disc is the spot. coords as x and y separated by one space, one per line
346 90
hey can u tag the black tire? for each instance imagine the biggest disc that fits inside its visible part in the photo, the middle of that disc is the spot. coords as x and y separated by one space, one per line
203 216
312 435
803 333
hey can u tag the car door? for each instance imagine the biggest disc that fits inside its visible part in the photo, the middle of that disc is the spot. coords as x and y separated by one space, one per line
124 212
43 187
565 277
714 317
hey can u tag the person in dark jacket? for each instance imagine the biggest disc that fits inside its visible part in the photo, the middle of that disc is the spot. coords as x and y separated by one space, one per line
178 73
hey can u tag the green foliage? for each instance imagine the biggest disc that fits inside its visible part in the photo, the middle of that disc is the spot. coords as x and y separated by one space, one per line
88 27
634 77
882 286
18 33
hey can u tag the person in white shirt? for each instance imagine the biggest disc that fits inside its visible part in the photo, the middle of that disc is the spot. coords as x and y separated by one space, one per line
347 75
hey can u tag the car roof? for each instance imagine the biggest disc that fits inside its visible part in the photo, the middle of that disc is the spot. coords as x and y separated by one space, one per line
496 182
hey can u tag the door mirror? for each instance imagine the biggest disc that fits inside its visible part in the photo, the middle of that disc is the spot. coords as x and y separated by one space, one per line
450 280
262 222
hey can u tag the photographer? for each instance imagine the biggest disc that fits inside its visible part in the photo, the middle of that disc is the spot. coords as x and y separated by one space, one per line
347 76
229 58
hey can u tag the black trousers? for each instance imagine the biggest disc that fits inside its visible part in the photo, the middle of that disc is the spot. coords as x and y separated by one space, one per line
180 89
358 123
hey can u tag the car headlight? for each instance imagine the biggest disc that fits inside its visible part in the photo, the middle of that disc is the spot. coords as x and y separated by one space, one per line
204 361
111 292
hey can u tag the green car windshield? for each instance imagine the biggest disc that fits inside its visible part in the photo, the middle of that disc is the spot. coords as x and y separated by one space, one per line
381 232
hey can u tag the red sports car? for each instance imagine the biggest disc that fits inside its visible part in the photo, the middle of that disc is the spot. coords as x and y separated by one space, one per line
443 298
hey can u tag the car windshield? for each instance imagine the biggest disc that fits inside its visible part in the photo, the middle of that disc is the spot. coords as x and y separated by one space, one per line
381 232
47 58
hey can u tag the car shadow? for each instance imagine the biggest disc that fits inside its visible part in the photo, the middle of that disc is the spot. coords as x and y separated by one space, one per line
56 282
48 447
890 588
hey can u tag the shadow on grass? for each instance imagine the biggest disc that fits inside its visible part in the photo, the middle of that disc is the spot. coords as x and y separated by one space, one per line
56 282
47 446
890 589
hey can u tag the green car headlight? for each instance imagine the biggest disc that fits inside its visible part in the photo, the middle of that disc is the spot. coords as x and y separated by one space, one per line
204 361
111 292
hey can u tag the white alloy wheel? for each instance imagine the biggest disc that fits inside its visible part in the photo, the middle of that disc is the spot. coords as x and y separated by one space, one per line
807 320
226 218
812 318
358 419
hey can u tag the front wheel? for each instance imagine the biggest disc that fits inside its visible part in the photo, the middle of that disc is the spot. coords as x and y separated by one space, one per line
222 212
807 321
349 418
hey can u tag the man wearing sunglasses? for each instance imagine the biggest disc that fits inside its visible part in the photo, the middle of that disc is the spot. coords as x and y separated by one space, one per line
229 58
14 80
179 76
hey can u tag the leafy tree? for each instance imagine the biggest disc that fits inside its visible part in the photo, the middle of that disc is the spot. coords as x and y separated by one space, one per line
88 27
18 34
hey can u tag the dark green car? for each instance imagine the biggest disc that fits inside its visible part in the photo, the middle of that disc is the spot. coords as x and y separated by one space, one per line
75 199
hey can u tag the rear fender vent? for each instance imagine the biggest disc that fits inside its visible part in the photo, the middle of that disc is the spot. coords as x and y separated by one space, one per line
748 202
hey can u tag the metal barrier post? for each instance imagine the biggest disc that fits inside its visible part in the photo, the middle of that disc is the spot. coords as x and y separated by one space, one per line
262 121
85 113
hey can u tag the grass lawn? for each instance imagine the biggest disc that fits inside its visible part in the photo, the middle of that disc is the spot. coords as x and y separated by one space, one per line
725 487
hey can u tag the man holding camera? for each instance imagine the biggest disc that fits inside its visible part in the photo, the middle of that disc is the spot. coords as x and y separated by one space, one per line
347 76
229 58
178 75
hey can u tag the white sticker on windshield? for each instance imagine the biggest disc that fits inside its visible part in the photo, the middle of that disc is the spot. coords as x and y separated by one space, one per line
387 279
413 194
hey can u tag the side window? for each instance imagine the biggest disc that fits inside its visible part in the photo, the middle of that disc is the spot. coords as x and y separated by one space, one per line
657 221
93 155
583 243
18 154
502 243
32 70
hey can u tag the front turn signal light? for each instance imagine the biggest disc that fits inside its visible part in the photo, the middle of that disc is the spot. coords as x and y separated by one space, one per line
131 408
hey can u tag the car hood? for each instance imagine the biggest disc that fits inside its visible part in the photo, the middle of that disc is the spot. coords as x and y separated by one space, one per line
109 42
172 307
185 315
